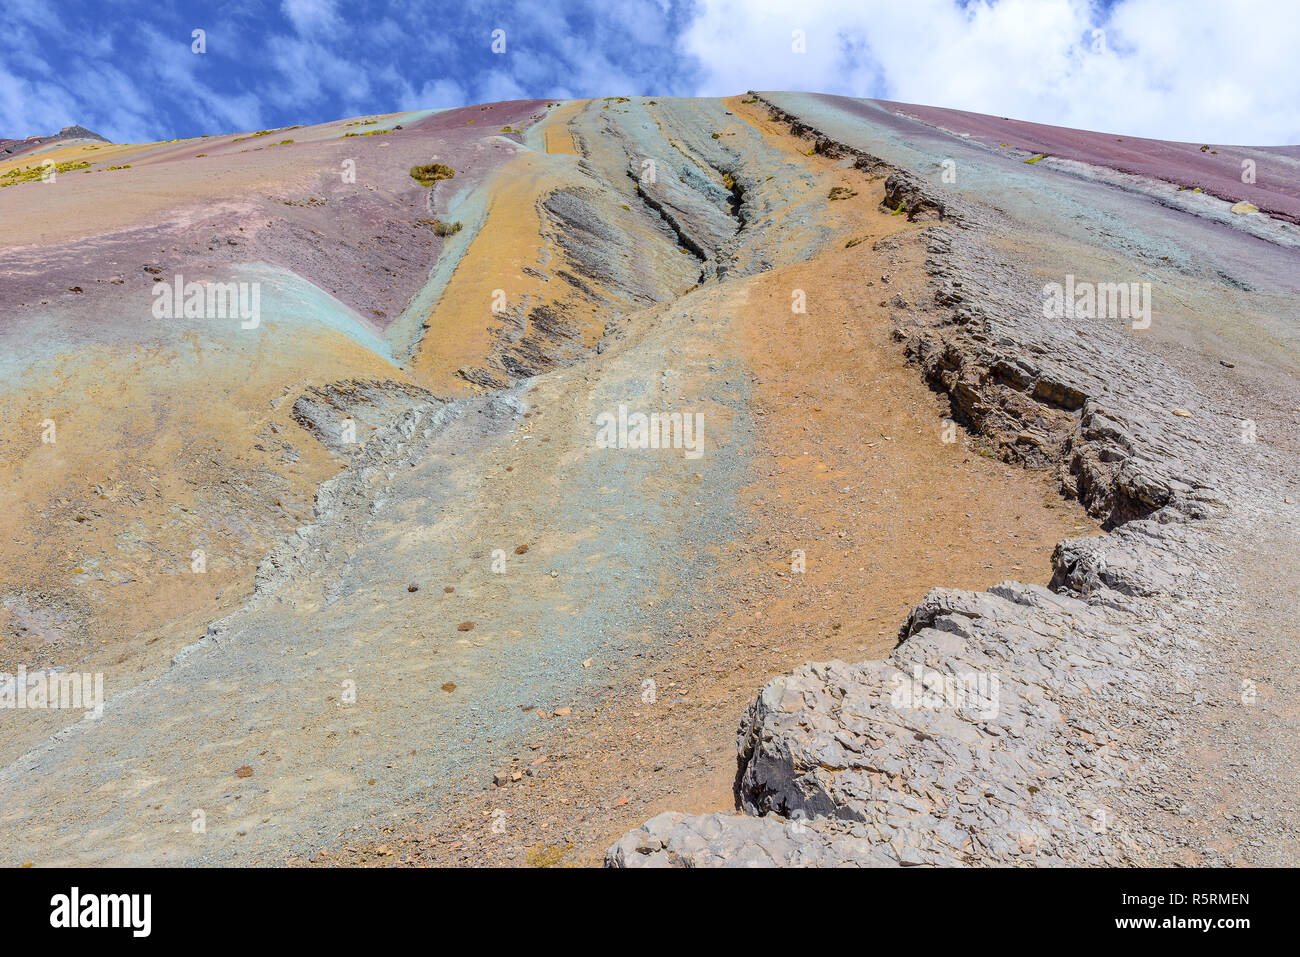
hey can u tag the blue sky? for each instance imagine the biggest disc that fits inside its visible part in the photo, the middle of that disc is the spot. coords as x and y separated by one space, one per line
128 70
1204 70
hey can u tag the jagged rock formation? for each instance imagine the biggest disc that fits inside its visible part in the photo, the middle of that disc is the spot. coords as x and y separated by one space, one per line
1037 722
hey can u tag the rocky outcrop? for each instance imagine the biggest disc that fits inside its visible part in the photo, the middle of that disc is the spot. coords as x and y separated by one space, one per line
16 147
727 840
1046 396
903 195
342 415
1005 728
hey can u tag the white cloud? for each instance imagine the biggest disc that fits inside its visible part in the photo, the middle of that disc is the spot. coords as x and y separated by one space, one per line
1199 70
438 95
495 87
311 16
173 66
307 69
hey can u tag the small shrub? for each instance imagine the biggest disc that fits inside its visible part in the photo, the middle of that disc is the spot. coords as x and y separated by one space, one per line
430 173
546 855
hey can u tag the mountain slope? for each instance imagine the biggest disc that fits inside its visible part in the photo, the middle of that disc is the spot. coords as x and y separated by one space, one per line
424 573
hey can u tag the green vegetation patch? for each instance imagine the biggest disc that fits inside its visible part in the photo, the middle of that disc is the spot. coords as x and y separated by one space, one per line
27 174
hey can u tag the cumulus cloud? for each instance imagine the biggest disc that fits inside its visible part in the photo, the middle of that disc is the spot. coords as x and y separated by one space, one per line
1196 70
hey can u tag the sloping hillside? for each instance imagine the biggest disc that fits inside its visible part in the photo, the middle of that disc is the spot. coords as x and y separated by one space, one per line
374 569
